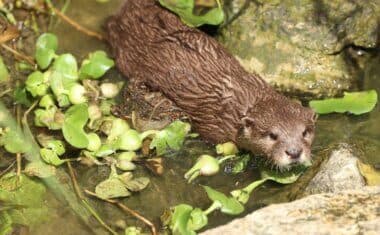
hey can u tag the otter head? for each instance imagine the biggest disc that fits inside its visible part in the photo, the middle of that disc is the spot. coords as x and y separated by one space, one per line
281 130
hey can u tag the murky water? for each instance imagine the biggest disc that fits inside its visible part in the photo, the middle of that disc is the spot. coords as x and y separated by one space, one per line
171 188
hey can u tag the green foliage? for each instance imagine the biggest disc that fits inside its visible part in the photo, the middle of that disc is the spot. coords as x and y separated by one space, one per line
205 165
283 177
185 10
20 96
37 84
5 223
46 47
12 140
29 195
241 164
4 74
286 177
39 169
227 205
171 136
120 185
95 66
66 65
352 102
180 219
76 118
50 157
198 219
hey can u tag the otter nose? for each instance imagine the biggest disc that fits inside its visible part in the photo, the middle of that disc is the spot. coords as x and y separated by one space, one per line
294 153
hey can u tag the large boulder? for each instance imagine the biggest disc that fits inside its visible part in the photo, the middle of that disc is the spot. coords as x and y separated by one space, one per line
346 212
303 46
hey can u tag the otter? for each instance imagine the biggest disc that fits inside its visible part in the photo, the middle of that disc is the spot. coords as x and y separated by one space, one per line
223 101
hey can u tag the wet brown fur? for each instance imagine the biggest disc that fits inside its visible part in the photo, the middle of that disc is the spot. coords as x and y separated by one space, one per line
153 46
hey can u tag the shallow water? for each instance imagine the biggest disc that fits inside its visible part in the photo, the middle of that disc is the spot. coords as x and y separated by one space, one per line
171 188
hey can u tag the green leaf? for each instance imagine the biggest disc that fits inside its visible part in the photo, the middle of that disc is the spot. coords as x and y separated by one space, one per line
242 195
13 140
111 188
39 169
205 165
46 46
171 136
185 10
36 84
198 219
5 223
129 141
228 205
4 74
76 118
180 219
59 85
96 65
50 157
66 65
27 193
241 164
50 118
352 102
285 177
20 96
137 184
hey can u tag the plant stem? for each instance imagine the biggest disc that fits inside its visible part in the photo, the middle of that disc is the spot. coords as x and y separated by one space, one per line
223 159
82 198
74 24
19 55
128 210
214 206
254 185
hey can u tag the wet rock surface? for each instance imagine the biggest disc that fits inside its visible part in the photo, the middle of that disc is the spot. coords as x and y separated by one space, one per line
303 46
346 212
339 172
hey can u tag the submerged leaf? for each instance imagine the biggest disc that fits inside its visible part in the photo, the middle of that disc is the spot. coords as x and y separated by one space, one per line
185 10
352 102
39 169
111 188
171 136
228 205
137 184
29 195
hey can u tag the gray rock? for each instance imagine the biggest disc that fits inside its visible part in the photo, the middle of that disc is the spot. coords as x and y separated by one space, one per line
346 212
301 46
339 172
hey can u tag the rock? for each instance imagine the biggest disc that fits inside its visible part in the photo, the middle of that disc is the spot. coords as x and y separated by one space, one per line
346 212
303 46
339 172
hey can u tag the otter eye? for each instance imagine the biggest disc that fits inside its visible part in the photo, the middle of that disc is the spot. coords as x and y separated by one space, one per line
273 136
305 133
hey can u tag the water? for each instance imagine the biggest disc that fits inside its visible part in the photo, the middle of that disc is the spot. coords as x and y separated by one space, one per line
165 191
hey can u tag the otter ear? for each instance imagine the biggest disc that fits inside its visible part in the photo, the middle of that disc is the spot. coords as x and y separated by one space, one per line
248 121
